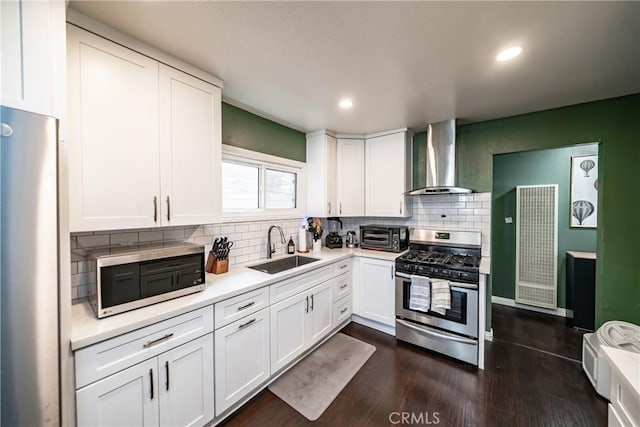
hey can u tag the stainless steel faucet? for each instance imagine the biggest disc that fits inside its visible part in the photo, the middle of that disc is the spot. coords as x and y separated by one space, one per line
271 249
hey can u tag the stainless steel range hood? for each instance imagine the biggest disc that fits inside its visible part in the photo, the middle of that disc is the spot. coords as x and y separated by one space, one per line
441 160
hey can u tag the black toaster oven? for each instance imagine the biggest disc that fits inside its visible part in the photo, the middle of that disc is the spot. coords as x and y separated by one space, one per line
384 238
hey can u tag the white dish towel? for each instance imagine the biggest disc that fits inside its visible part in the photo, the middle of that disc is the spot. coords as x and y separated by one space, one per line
440 296
419 294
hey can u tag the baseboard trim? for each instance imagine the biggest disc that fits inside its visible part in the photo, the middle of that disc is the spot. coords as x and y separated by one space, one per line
391 330
488 335
560 312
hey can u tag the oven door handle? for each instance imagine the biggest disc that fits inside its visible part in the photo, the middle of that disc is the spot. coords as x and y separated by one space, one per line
436 334
453 284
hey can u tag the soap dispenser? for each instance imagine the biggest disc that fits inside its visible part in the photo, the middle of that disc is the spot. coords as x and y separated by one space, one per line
291 247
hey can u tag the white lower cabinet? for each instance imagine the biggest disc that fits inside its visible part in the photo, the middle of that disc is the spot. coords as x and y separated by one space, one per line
128 398
374 290
172 389
299 322
186 384
242 358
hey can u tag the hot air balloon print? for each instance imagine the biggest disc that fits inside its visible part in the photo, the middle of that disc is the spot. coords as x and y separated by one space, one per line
586 166
582 209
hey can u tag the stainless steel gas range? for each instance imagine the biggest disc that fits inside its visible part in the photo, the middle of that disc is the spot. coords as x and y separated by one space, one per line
453 256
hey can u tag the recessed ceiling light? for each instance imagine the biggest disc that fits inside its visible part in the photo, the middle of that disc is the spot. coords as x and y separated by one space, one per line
509 54
345 104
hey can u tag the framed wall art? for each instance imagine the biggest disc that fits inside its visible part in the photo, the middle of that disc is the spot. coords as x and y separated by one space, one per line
584 191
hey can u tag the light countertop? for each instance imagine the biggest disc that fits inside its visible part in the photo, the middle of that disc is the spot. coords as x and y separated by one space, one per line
87 329
485 265
627 364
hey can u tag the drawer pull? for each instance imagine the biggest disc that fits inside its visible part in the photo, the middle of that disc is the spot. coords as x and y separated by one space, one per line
244 325
343 266
157 341
242 307
343 310
344 286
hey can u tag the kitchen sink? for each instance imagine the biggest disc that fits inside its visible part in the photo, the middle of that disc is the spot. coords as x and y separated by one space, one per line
273 267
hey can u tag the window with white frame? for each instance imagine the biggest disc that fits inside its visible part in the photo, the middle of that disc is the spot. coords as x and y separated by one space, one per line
260 185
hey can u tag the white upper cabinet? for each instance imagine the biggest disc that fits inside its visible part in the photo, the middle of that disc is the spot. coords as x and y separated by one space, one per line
190 149
350 177
144 140
32 37
321 174
388 174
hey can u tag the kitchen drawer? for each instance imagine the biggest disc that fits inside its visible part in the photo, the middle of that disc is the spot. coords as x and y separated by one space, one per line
625 400
230 310
113 355
341 286
341 267
289 287
342 310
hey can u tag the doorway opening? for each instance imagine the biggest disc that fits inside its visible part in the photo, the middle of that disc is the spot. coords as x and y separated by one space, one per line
533 279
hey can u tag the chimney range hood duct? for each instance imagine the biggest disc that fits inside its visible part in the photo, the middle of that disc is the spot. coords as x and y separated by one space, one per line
441 160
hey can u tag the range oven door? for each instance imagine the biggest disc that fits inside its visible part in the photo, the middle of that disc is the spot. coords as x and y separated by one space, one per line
462 318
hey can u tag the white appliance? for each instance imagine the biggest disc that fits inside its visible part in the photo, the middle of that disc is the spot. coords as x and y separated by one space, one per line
29 269
616 334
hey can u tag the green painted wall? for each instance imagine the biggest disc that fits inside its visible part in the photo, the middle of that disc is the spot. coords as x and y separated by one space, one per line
246 130
533 168
615 123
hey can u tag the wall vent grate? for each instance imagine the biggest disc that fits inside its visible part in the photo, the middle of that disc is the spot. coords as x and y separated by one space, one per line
537 245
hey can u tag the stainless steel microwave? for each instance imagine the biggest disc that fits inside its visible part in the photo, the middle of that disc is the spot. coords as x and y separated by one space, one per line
384 238
143 275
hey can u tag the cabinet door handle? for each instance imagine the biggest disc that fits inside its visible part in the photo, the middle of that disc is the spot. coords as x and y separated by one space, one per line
151 380
155 209
244 325
306 309
311 302
340 208
400 208
392 275
168 209
157 341
329 208
166 367
242 307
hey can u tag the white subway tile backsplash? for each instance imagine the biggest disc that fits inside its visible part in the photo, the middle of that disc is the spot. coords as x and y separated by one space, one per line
149 236
173 234
93 241
461 212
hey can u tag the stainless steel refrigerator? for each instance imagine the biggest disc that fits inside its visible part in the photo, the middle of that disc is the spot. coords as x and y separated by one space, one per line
29 337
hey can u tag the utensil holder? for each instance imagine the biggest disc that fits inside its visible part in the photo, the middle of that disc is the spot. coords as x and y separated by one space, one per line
220 266
317 245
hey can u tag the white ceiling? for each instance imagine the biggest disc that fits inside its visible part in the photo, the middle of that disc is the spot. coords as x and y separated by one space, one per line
404 64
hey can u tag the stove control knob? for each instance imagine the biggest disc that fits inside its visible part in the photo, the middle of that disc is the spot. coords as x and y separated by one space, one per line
455 275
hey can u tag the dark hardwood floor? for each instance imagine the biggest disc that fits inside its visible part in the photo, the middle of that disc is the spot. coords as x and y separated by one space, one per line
519 387
536 330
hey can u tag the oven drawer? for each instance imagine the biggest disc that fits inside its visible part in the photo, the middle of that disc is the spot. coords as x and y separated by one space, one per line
113 355
235 308
456 346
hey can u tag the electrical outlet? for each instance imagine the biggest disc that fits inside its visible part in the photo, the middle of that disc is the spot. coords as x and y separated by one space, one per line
508 220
